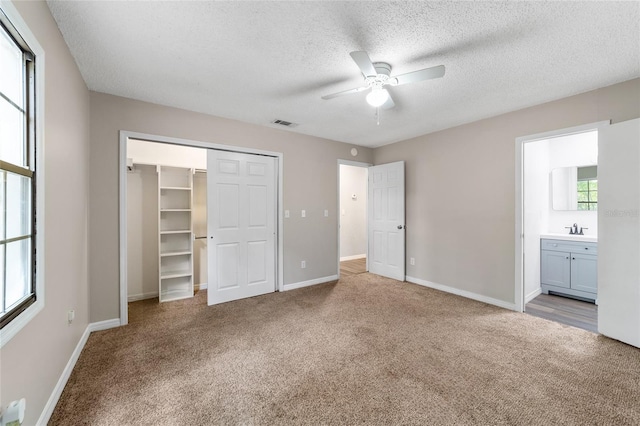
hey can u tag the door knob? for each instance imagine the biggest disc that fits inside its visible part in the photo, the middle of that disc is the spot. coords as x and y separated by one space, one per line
400 226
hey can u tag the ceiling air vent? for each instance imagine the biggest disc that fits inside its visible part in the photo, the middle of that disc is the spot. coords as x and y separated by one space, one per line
284 123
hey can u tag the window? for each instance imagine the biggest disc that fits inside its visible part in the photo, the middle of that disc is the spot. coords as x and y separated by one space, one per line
17 174
588 194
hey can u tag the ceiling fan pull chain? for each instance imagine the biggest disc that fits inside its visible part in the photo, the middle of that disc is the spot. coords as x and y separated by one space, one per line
378 116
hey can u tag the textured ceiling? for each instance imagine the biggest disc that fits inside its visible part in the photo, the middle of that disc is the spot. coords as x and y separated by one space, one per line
259 61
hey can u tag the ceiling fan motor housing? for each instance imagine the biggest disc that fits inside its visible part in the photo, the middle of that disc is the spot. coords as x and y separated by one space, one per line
384 70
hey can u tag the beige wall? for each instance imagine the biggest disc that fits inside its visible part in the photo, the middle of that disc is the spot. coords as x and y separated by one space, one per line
310 183
353 213
34 359
460 187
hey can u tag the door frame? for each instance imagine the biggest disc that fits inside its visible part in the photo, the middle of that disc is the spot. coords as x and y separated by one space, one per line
124 136
339 212
519 180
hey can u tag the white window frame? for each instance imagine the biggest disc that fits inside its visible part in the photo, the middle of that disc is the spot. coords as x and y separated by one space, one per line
19 322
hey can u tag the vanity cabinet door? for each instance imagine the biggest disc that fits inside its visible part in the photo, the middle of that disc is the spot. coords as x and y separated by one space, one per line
584 272
556 268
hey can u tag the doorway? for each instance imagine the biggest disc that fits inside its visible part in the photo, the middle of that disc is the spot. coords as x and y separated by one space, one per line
554 220
186 183
352 213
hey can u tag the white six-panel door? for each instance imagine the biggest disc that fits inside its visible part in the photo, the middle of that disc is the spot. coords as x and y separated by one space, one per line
386 220
241 210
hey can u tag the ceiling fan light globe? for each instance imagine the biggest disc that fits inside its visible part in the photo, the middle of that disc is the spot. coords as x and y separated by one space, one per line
377 97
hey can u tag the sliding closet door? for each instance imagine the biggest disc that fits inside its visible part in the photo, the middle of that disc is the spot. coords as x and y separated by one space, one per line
241 205
619 231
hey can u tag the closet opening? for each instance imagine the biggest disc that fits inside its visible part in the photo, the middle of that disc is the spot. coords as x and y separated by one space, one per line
172 208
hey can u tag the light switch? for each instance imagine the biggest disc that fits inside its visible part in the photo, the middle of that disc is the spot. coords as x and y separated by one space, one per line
286 214
343 212
304 213
326 213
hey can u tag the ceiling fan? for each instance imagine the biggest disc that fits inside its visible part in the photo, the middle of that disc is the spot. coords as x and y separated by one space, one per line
377 75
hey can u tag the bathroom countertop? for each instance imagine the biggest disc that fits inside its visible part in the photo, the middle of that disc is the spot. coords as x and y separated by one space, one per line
569 237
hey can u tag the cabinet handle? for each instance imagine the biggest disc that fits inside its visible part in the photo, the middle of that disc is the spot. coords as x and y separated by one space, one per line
567 257
586 248
573 258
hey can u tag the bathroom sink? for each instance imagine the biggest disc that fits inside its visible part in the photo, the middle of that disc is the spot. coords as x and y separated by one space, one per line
569 237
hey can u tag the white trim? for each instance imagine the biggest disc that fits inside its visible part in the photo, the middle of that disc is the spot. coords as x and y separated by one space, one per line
11 329
122 226
463 293
68 369
519 199
301 284
280 213
354 257
202 286
141 296
122 188
339 214
104 325
529 297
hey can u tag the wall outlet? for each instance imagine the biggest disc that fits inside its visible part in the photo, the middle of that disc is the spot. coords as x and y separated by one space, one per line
286 214
304 213
412 261
71 315
303 264
14 414
326 213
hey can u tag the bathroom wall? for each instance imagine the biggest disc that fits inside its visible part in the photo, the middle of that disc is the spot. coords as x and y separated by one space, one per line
573 150
353 212
536 211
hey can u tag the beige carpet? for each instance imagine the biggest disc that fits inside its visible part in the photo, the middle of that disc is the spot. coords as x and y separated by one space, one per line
365 350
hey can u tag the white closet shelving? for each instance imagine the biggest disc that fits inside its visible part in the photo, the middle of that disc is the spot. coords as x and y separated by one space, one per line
175 257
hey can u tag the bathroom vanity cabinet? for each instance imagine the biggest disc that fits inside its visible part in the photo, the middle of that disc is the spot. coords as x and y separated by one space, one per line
569 267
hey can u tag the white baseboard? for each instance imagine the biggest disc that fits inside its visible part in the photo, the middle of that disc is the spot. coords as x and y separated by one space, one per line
104 325
141 296
529 297
202 286
463 293
66 373
310 282
354 257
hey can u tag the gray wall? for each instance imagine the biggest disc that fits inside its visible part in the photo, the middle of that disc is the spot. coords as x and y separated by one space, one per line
34 359
310 183
460 188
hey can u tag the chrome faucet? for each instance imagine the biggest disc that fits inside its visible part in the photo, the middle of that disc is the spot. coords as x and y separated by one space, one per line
573 230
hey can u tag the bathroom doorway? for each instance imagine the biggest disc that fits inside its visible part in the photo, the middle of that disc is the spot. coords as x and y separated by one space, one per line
556 224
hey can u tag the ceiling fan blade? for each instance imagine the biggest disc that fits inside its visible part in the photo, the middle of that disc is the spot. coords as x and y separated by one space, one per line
364 63
345 92
389 103
415 76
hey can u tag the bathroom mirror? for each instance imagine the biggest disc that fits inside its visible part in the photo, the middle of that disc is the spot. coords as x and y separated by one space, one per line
575 188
